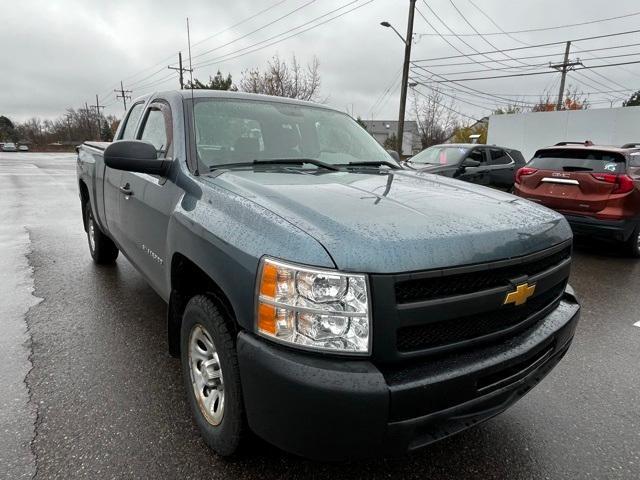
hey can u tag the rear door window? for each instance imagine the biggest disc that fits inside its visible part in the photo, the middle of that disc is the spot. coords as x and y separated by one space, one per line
587 160
497 156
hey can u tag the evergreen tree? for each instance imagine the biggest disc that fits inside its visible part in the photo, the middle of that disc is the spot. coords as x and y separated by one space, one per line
634 100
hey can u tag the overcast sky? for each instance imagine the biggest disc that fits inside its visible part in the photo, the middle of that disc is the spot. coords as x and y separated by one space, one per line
61 53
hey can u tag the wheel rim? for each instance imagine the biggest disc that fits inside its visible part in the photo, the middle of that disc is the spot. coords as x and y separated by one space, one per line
92 234
206 375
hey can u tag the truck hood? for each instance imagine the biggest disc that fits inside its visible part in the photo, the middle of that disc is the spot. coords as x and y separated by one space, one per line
400 221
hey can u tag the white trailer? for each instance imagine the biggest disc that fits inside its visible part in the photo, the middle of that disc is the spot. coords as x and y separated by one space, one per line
528 132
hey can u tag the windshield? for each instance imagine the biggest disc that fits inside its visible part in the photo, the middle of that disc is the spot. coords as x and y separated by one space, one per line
239 131
586 160
440 155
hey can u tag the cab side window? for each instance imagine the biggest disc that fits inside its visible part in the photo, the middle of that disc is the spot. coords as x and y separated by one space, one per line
156 130
129 130
498 156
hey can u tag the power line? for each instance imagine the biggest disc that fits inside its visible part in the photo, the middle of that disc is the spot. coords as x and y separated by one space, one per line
375 104
477 52
233 55
473 60
271 7
472 91
445 106
539 29
481 36
547 55
458 99
155 82
165 59
576 49
256 30
595 37
533 73
529 67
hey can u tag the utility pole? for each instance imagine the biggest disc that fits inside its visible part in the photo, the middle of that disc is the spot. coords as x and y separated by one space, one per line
123 95
405 75
68 118
87 119
97 106
180 70
564 67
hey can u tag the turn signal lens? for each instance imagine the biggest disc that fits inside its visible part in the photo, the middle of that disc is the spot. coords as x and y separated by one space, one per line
268 280
267 318
523 172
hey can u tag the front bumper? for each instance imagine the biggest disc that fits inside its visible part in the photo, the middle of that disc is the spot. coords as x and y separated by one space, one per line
619 230
336 409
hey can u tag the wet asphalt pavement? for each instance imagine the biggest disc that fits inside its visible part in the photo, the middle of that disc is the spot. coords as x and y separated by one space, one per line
88 390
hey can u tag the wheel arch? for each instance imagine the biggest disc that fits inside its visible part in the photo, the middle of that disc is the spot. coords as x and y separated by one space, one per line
84 200
188 280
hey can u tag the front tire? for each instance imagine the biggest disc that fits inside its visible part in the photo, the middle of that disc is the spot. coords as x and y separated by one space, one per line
211 375
102 249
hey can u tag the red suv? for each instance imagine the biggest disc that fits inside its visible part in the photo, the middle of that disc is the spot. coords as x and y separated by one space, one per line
596 188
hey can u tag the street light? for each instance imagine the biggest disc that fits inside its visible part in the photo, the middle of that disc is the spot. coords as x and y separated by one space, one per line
388 25
405 71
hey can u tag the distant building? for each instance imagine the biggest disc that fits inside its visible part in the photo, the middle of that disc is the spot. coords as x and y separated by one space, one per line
383 129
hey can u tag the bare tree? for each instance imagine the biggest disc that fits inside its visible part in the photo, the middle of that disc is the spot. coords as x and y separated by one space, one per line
573 99
436 120
283 79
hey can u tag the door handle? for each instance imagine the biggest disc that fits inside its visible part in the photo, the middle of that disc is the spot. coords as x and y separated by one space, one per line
126 190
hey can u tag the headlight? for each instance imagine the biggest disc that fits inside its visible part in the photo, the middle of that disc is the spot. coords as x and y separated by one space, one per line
313 308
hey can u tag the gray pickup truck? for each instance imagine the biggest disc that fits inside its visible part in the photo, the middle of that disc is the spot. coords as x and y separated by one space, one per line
319 295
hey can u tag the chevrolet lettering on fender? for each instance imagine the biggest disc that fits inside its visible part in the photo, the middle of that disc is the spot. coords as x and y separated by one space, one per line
319 294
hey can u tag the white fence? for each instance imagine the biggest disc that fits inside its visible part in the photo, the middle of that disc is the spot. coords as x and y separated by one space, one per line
529 131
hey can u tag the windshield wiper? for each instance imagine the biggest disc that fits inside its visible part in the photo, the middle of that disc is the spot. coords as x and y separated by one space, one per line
280 161
377 163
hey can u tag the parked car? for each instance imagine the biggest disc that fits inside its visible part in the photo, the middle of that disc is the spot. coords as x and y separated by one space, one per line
333 303
9 147
487 165
23 148
597 189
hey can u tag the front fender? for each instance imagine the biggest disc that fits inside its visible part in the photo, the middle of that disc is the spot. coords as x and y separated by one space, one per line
226 235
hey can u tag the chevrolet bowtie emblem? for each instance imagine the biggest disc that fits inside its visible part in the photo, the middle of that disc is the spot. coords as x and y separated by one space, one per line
521 295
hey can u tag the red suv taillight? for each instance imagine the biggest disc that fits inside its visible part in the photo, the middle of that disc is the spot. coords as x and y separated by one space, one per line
523 172
623 183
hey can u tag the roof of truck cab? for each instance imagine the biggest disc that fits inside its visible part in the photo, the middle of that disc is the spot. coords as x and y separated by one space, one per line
204 93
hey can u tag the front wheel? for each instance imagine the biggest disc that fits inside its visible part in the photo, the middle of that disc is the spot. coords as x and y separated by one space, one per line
633 244
211 375
101 247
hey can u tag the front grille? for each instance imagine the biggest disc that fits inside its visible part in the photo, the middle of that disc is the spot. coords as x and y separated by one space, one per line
446 332
417 290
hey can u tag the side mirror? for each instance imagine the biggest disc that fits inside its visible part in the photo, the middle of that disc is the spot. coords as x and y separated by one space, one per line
469 162
135 156
394 155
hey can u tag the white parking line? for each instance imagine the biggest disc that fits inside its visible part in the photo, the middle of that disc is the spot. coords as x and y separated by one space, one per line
637 324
